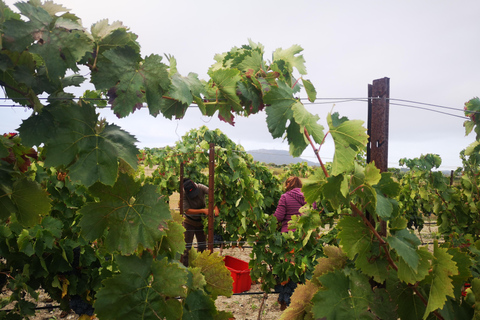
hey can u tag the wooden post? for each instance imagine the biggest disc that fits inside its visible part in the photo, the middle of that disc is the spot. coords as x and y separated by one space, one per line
378 120
211 192
180 204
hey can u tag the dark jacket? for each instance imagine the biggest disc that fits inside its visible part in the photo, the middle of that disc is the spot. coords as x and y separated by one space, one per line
288 205
196 203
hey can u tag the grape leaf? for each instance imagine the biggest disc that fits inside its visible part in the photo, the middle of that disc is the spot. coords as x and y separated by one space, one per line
290 57
31 201
335 190
374 266
387 185
60 44
441 283
308 121
310 89
405 243
183 91
335 259
198 306
90 154
218 277
128 209
174 242
407 274
350 138
280 100
355 237
464 264
343 296
144 289
410 306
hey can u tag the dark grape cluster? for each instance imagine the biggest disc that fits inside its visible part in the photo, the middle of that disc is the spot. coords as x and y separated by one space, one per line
217 238
285 291
80 306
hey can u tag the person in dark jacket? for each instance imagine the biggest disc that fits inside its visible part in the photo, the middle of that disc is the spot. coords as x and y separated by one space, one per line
290 202
195 209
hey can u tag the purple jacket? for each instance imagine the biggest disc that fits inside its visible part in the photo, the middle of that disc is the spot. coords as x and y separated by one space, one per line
288 205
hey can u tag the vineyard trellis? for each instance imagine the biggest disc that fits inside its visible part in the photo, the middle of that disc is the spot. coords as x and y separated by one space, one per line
79 223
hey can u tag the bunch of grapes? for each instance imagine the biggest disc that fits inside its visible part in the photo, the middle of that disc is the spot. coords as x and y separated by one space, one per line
80 306
285 291
217 239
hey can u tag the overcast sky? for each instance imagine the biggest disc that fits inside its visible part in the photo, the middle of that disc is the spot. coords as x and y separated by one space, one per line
428 49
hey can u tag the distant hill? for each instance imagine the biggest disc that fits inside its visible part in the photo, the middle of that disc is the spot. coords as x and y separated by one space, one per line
277 157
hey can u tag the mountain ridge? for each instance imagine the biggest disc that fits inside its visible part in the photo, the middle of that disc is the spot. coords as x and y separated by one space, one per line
278 157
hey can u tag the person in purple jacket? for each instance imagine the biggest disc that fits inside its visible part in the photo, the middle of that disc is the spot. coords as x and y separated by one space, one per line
290 202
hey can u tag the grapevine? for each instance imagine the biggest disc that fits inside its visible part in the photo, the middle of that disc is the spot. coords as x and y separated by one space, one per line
78 189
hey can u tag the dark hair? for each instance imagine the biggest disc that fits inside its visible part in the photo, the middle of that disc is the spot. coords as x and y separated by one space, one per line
292 183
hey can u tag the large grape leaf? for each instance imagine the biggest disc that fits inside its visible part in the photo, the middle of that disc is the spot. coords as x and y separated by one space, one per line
350 138
218 277
131 213
129 82
144 289
444 267
89 151
31 202
59 40
343 296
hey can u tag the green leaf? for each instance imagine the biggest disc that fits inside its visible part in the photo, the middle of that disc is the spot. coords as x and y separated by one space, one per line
174 242
144 289
387 185
60 44
183 91
131 213
405 244
198 306
441 283
291 59
355 237
384 207
407 274
218 277
310 89
31 200
335 190
225 83
309 122
349 138
343 296
280 100
90 154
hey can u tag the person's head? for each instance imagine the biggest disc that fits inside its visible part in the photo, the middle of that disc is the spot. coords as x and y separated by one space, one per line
292 183
190 188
